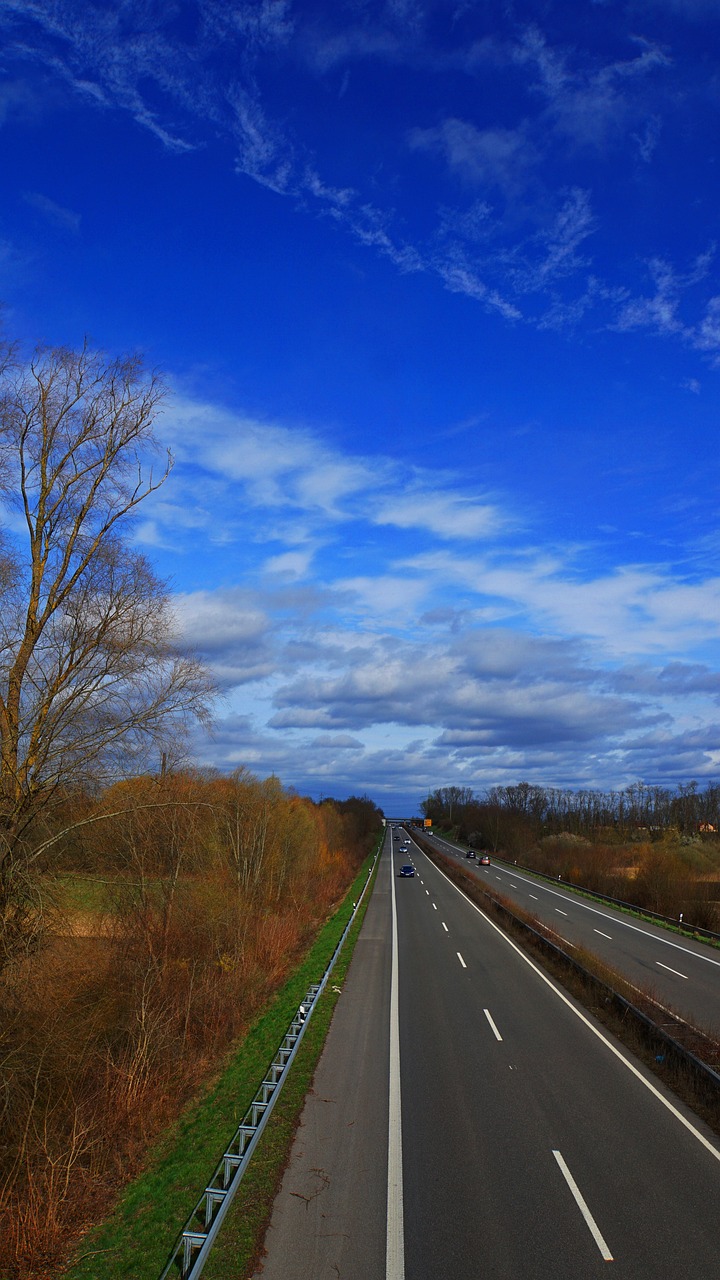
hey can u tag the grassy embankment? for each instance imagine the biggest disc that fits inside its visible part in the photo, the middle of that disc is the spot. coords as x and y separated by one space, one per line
136 1240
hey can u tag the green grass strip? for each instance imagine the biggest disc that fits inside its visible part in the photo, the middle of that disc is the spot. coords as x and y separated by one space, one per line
135 1241
237 1248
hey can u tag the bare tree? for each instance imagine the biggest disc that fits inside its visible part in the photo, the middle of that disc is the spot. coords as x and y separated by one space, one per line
88 672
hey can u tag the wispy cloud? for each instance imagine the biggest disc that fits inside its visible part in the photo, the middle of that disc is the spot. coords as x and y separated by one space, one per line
449 515
592 105
522 237
491 158
661 312
55 213
635 609
292 469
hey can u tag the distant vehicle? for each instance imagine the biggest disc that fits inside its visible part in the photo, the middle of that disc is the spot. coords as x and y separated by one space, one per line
470 853
407 870
484 860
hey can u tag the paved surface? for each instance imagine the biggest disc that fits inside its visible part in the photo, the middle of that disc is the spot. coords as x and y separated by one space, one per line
534 1147
328 1222
681 973
485 1195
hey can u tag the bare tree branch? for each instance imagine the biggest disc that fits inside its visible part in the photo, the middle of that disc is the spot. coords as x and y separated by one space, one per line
89 674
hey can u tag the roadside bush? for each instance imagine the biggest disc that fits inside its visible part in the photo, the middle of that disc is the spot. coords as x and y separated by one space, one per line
209 891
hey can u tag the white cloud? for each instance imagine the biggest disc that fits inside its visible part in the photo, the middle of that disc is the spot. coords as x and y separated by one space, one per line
661 312
263 152
544 258
459 277
211 82
634 609
231 632
281 466
382 594
303 484
590 105
647 139
494 157
707 336
291 564
450 515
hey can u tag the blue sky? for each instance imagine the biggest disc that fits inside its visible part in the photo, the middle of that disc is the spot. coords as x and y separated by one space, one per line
437 290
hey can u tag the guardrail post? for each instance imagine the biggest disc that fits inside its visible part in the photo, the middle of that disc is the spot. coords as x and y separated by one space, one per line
191 1248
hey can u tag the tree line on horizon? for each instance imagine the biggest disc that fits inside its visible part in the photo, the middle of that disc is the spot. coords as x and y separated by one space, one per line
545 811
655 848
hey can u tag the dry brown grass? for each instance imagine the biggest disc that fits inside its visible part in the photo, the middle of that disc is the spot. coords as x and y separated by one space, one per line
127 1009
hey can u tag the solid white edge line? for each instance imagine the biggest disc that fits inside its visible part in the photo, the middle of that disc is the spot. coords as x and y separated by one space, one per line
595 1030
461 960
582 1206
395 1239
489 1017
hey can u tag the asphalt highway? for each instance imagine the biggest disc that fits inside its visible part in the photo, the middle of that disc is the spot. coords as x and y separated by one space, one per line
681 973
531 1145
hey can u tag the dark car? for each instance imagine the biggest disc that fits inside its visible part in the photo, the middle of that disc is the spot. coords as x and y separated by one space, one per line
485 860
407 870
470 853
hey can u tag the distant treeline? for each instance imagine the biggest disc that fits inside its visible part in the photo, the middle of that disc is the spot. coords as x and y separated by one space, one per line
656 848
504 815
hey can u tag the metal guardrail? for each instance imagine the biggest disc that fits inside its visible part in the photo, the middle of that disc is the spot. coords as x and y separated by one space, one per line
194 1242
684 925
677 923
705 1078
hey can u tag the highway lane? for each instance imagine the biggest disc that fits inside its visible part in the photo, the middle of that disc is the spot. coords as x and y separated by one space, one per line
533 1146
482 1118
329 1218
681 973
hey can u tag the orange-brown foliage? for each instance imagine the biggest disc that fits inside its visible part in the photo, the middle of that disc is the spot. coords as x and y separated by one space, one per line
216 887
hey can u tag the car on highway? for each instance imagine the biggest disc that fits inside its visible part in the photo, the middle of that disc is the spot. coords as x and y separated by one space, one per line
470 853
407 870
484 860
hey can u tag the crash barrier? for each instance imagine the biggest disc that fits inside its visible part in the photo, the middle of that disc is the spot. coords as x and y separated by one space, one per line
192 1246
667 1050
693 930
